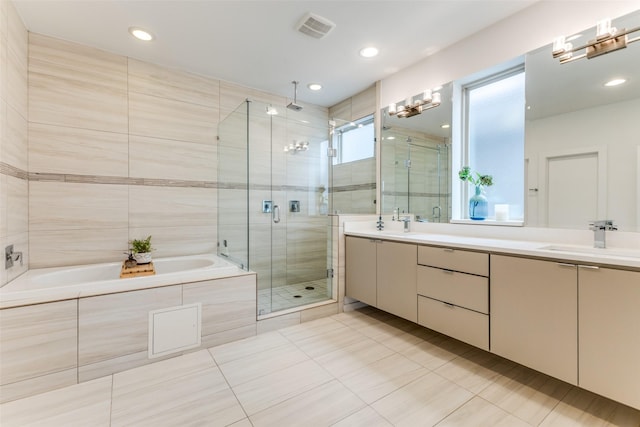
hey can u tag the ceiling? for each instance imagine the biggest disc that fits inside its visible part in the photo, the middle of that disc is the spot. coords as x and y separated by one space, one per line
256 44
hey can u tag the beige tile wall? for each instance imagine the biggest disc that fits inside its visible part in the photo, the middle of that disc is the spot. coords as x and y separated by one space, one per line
354 183
13 138
122 149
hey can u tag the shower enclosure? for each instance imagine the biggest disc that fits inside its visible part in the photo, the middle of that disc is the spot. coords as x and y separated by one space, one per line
273 187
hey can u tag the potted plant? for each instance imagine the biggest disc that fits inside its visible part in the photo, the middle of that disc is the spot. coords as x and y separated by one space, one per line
478 204
141 250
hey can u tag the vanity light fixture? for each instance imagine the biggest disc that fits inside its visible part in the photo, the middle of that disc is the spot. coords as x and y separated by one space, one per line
141 34
608 39
412 108
614 82
369 52
314 86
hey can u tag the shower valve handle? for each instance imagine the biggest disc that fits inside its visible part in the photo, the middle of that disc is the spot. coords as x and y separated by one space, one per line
276 214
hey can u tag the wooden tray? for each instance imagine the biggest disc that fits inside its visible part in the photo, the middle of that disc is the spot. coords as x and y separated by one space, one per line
137 271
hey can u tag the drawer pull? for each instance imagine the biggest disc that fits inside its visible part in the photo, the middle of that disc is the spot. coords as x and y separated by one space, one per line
449 305
563 264
448 271
590 267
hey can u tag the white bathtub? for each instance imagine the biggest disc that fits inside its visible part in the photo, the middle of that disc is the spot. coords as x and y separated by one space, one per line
59 283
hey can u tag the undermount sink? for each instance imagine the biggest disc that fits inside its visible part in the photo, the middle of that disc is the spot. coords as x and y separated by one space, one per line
587 250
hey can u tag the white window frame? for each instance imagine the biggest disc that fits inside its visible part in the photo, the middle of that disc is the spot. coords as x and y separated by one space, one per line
460 141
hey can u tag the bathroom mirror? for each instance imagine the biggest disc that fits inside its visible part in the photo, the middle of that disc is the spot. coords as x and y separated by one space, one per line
416 161
582 138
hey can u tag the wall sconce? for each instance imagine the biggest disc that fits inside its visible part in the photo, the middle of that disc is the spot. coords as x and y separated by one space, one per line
411 108
608 39
294 147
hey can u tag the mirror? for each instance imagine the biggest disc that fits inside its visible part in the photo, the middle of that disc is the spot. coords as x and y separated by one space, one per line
582 143
582 139
416 161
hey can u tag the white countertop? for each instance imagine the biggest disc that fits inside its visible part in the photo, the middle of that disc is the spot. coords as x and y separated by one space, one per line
627 257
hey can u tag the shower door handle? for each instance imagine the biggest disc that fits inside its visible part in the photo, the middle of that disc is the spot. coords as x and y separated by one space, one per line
276 214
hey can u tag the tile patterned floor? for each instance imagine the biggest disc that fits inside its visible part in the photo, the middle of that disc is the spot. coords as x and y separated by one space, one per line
362 368
289 296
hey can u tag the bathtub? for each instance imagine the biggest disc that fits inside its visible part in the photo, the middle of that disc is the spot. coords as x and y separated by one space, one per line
60 283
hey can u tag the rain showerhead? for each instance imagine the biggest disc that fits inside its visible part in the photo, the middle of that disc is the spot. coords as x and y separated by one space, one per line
294 106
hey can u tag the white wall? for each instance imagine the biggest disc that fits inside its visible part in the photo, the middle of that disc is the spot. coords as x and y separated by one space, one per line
530 29
584 129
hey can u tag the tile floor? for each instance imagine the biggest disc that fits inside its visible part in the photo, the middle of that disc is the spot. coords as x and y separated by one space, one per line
289 296
362 368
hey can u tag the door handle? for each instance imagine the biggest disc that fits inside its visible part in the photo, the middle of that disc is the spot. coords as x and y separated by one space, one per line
276 214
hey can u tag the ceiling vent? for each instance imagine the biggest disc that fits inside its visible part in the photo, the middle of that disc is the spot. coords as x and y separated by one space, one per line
315 26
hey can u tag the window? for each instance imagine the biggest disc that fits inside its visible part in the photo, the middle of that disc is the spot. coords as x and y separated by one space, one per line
355 141
494 143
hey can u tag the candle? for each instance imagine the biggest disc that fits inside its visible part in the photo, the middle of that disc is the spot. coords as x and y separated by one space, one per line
502 212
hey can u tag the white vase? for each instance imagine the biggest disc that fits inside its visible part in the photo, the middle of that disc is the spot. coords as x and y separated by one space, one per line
142 258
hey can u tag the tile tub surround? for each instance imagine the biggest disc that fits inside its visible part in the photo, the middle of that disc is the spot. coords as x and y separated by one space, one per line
361 368
14 187
88 337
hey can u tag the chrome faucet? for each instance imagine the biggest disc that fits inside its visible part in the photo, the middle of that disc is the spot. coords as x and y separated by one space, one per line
406 220
599 228
10 257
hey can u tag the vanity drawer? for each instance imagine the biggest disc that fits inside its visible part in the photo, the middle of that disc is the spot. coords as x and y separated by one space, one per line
457 322
454 259
464 290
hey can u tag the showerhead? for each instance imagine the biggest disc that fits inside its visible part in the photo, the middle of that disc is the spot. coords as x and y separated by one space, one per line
293 105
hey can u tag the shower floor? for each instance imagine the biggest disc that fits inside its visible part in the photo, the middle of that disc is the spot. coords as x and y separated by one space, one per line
289 296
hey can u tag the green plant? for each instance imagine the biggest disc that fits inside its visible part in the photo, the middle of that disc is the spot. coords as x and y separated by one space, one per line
466 174
140 246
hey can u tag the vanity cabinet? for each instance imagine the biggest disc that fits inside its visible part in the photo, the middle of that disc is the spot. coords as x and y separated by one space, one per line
534 314
382 274
609 333
361 275
453 293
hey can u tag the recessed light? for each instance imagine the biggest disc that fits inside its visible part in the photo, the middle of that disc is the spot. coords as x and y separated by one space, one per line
314 86
614 82
140 34
391 137
445 126
368 52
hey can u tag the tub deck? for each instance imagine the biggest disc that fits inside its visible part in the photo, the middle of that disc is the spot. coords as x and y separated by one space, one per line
61 283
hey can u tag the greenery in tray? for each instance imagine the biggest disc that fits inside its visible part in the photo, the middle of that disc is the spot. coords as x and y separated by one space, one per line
141 246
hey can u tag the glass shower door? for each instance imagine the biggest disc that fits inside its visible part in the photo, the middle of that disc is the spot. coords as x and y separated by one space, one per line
233 213
288 241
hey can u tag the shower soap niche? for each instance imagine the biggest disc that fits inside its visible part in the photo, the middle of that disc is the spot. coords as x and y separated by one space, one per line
294 206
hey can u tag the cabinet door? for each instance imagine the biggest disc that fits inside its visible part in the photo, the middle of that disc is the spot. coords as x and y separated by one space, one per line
534 314
360 259
397 269
609 331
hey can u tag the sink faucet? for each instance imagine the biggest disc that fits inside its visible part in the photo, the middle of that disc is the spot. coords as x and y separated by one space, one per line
406 220
599 227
